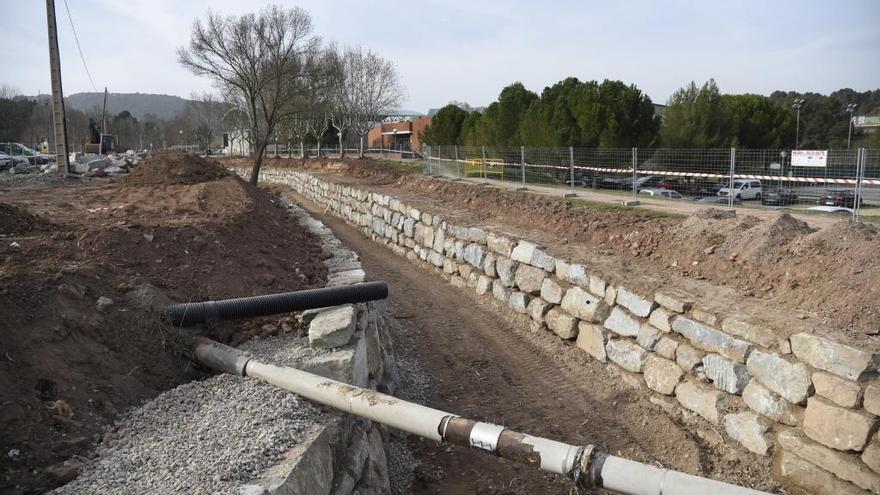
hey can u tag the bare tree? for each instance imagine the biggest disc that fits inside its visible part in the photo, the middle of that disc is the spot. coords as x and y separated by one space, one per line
262 61
371 89
8 92
205 113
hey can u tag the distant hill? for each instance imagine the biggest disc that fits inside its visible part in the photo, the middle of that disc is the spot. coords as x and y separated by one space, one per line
163 106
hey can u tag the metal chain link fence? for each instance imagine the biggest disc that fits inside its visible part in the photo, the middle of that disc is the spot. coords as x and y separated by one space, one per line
848 181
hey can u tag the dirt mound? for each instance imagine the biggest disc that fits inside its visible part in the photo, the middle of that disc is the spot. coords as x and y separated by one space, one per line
14 220
175 168
80 344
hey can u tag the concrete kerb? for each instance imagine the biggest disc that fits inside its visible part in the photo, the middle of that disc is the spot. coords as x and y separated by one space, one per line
679 332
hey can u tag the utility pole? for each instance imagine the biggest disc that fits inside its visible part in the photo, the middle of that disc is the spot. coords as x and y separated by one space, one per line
851 108
59 118
798 103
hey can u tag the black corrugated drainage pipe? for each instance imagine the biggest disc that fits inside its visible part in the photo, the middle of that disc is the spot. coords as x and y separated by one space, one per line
185 314
585 466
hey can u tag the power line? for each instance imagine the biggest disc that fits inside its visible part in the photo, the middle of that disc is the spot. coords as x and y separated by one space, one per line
78 47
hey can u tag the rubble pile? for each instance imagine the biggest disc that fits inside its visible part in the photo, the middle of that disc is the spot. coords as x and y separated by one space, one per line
113 164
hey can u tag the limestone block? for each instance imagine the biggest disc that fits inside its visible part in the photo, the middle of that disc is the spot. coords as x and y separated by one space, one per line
648 336
766 403
790 380
538 308
623 323
836 427
551 291
839 390
499 244
711 340
872 398
563 324
673 302
518 301
804 474
666 347
592 339
842 360
500 291
845 466
637 305
584 305
506 271
727 375
332 327
489 265
475 255
703 399
627 354
753 333
688 357
662 375
750 430
661 318
597 286
529 279
577 274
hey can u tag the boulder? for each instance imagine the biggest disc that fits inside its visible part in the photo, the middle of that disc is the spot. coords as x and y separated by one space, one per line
592 339
836 427
842 360
627 354
790 380
750 430
584 305
662 375
622 323
711 340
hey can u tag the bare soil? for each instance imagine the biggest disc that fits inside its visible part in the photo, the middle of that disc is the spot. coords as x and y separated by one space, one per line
68 367
771 268
488 367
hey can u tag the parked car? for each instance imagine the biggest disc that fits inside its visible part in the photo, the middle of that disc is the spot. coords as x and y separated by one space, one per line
642 182
665 193
6 161
18 149
844 198
742 189
779 196
675 184
705 188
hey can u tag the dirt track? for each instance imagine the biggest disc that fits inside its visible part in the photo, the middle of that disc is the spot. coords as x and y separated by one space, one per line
486 367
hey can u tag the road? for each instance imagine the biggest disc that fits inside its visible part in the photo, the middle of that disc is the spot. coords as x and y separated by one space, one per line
481 365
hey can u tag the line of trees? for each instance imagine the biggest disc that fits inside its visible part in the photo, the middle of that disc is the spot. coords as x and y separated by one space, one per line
612 114
279 79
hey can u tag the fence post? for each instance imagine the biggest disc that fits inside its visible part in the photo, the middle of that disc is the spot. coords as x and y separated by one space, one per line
428 158
571 168
635 176
457 164
483 151
861 163
522 161
730 193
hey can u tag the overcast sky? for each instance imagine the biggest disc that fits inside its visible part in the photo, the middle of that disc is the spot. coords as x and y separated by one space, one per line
467 51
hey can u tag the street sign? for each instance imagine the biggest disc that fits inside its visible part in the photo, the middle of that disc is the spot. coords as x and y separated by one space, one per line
809 158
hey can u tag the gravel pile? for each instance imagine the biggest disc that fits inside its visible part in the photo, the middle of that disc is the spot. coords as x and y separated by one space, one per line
282 349
203 437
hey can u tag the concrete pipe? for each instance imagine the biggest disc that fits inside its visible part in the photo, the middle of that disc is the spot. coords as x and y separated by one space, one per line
582 464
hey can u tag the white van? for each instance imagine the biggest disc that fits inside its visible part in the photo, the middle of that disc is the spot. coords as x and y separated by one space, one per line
743 189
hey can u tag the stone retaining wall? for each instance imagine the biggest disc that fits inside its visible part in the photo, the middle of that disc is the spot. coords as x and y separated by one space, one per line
809 402
349 343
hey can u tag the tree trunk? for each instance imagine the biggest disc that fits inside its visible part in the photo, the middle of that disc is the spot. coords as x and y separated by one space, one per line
341 149
361 147
258 162
302 149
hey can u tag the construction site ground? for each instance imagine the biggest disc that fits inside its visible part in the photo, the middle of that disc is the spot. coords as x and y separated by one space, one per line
469 359
84 266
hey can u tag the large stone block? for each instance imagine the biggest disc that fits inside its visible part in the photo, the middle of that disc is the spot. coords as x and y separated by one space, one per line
711 340
332 327
688 357
499 244
506 271
748 331
627 354
871 455
750 430
726 375
577 274
538 308
529 279
637 305
766 403
597 285
439 240
563 324
872 398
806 475
836 427
845 466
484 284
623 323
648 336
518 301
489 265
703 399
552 291
662 375
676 303
842 360
661 318
843 392
476 234
500 291
584 305
790 380
475 255
531 254
666 347
592 339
